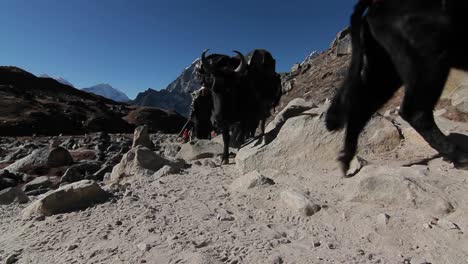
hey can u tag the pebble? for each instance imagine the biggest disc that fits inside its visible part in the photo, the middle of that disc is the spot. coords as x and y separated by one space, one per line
276 259
383 219
11 259
72 247
118 222
224 215
143 247
40 218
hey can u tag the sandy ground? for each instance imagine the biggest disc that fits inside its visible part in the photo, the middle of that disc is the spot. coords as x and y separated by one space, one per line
194 217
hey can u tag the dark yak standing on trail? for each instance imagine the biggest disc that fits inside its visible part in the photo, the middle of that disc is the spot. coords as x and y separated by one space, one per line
244 90
401 42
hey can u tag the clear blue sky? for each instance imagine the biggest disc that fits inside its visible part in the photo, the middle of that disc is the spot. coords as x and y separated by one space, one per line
138 44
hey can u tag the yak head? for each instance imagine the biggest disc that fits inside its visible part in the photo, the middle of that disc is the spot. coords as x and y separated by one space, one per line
225 83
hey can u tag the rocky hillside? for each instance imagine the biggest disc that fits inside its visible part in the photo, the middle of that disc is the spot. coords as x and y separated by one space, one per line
107 91
320 74
43 106
318 77
176 96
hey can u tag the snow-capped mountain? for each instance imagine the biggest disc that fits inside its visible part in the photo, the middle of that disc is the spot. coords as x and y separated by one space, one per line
58 79
107 91
176 96
311 56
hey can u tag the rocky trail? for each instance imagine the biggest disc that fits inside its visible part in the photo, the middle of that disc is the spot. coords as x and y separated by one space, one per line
157 200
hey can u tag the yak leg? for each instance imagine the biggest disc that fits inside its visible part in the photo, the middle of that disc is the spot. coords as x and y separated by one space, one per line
424 86
262 131
379 82
226 139
418 48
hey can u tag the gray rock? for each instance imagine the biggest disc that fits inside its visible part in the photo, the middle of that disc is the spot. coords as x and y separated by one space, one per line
299 202
42 159
13 195
143 246
460 99
295 67
7 183
200 149
294 108
13 258
164 171
356 165
38 183
79 171
342 43
75 196
304 142
141 138
383 219
140 161
224 215
250 180
99 175
447 225
398 186
38 191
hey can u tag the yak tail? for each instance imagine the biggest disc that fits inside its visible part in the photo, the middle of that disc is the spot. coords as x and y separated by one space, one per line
336 114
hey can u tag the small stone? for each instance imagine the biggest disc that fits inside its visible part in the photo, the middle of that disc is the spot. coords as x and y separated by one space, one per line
356 165
317 244
143 247
224 215
11 259
39 218
72 247
118 222
299 202
331 246
447 225
383 219
276 259
427 226
361 252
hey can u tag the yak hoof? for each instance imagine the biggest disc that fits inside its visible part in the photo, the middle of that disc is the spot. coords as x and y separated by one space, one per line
224 161
344 163
461 162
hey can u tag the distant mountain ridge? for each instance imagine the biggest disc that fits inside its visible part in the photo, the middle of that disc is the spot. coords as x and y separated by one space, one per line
43 106
58 79
107 91
176 96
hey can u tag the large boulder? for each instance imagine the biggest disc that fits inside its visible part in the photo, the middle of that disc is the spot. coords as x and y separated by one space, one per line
304 142
74 196
294 108
42 159
141 138
13 195
140 161
398 186
342 43
200 149
299 142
